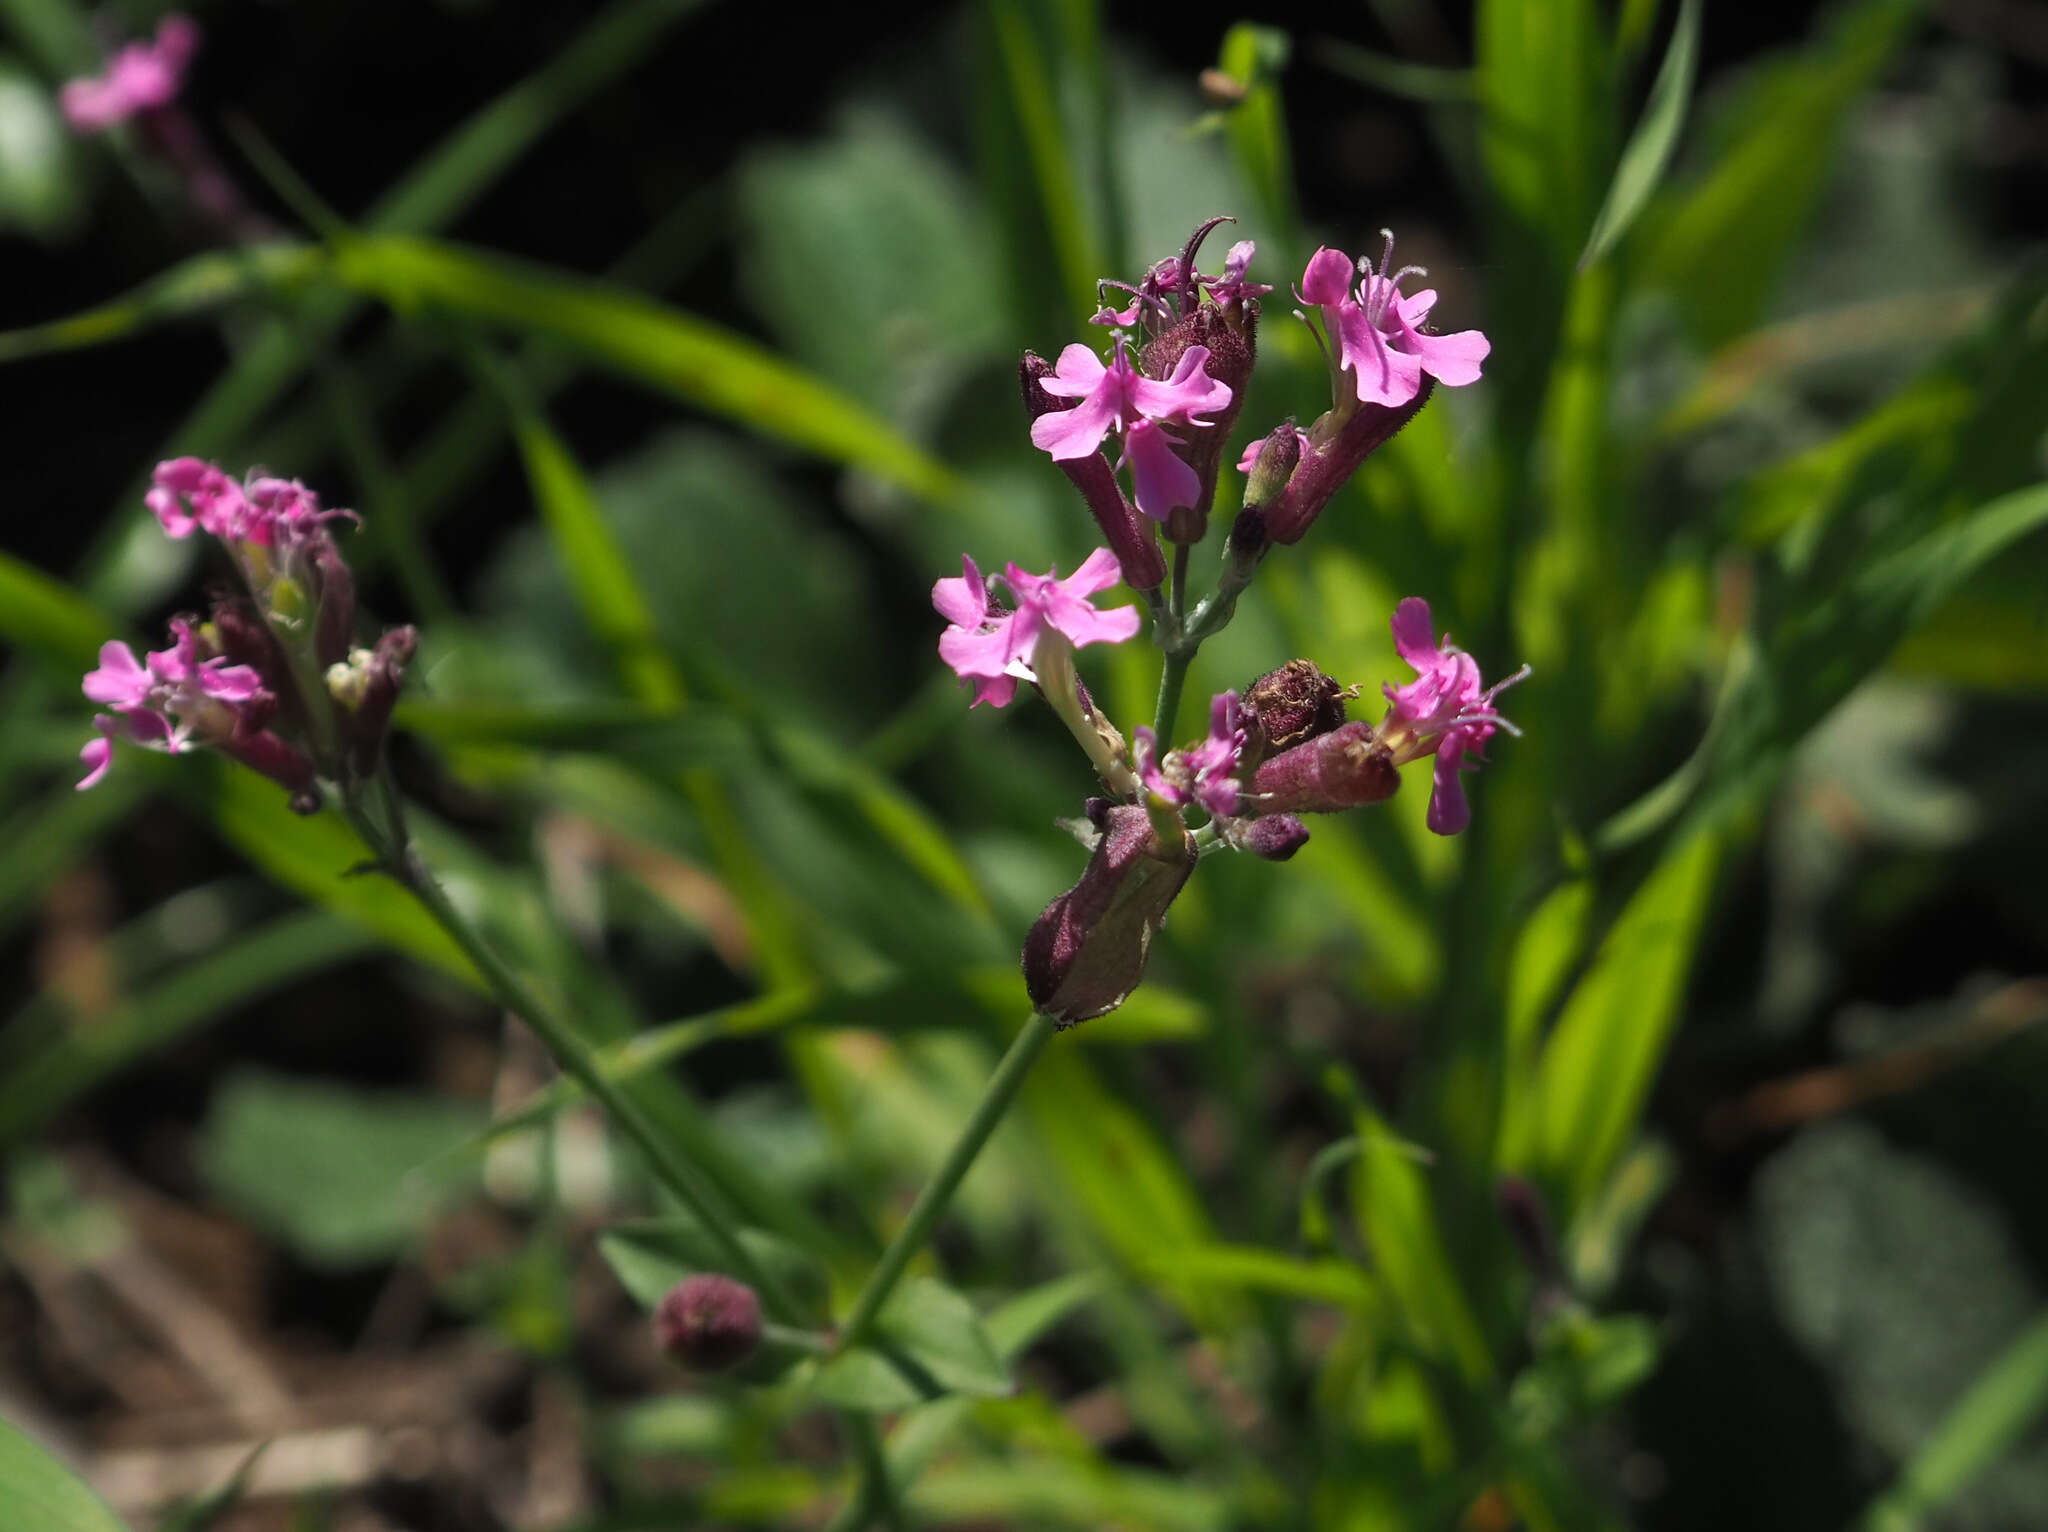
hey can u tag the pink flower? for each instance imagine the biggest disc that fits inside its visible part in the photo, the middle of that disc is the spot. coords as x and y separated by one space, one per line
1446 710
161 701
142 77
1378 330
1119 398
187 494
1232 287
1204 773
989 645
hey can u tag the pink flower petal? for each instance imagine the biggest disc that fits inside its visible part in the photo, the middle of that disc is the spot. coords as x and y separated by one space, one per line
1452 360
1448 811
1074 433
1098 572
1327 279
1159 479
1077 373
962 602
120 680
98 755
1415 634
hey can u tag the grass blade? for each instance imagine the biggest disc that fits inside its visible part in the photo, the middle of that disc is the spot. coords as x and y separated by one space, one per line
1656 137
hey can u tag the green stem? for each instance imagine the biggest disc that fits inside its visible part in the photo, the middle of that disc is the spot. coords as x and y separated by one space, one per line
575 1055
1173 676
877 1493
932 1202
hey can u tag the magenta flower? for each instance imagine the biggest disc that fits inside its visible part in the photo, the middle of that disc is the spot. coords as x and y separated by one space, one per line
1378 330
142 77
993 647
167 698
1232 287
1445 711
1117 397
1204 774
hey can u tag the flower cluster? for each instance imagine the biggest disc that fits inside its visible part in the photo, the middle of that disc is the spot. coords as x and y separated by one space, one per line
1168 391
272 676
140 78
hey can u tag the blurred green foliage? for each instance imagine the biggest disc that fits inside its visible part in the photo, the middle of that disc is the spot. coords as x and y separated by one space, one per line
1767 541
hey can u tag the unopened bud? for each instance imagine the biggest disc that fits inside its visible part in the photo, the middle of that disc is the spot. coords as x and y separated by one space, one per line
1344 769
1124 526
1276 837
708 1322
1284 707
385 674
1326 466
1087 952
337 621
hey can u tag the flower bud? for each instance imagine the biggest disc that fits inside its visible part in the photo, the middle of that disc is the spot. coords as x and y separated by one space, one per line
1287 706
336 623
1276 837
1124 527
372 716
1356 432
1231 334
708 1322
1087 952
1344 769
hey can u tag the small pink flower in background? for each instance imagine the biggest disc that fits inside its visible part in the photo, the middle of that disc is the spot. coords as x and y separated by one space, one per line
1378 330
1117 397
142 77
161 700
1446 711
991 646
1232 287
1204 773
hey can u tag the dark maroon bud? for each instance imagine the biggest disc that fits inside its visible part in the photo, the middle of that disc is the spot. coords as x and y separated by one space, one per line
245 639
336 623
1344 769
1124 527
1285 707
1233 351
1087 952
1276 837
1527 1218
708 1322
264 752
1325 469
384 676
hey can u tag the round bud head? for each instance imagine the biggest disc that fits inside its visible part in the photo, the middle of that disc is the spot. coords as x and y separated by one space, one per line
1287 706
708 1323
1276 837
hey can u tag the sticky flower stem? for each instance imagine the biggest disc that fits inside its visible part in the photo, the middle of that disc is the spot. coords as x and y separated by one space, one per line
381 823
937 1195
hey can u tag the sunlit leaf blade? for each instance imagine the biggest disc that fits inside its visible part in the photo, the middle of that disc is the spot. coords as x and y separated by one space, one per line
42 615
1034 102
1256 128
649 341
40 1492
1649 150
316 856
1543 67
1397 1216
1601 1058
2005 1402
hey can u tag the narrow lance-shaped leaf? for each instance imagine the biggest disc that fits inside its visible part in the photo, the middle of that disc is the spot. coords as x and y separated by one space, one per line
649 341
1656 136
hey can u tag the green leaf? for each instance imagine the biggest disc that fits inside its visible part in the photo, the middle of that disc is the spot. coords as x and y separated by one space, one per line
317 856
36 1088
928 1343
343 1176
1397 1217
1034 101
1247 1268
1256 127
1649 149
1596 1070
209 1508
2008 1398
41 1493
1718 244
193 286
1018 1322
1431 84
651 1255
1543 68
648 341
43 616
